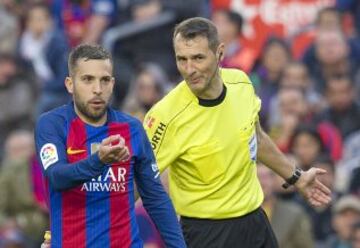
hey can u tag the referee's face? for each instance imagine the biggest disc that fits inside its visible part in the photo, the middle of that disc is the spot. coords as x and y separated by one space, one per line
198 65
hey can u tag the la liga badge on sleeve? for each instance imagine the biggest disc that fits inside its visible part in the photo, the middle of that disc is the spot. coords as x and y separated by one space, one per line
48 155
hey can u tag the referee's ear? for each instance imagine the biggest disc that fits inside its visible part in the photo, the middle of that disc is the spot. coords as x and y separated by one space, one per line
69 84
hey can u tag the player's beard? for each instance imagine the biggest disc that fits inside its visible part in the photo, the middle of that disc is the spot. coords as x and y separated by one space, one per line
85 109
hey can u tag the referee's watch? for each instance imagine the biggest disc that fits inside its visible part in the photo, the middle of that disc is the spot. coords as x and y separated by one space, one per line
293 179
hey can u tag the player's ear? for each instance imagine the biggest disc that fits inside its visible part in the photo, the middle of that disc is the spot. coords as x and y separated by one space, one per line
69 84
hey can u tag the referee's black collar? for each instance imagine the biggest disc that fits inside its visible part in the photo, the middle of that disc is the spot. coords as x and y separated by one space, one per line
213 102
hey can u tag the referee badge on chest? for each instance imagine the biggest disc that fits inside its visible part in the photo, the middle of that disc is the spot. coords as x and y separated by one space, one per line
253 147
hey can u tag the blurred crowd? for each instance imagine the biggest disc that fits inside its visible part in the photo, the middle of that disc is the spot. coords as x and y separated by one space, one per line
310 102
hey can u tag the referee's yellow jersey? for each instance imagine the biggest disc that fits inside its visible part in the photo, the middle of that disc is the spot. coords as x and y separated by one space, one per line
210 150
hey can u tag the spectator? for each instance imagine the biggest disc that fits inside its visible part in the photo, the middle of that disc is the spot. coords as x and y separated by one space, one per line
355 237
306 144
11 237
9 29
353 6
84 20
17 97
229 24
343 111
289 221
296 75
348 170
136 43
148 87
19 204
330 55
354 185
321 217
346 213
46 48
266 75
291 110
328 18
294 110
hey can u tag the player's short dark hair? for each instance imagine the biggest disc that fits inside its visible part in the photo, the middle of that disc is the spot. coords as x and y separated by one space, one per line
87 52
198 26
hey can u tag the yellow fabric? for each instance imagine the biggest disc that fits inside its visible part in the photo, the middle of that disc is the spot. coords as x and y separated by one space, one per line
207 149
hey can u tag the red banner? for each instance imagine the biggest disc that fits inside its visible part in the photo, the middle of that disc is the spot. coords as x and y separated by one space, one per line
291 19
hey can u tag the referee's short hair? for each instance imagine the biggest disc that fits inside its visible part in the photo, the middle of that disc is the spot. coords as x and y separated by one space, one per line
198 26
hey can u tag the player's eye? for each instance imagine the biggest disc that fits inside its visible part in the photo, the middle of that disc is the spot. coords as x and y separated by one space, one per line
106 80
180 59
87 78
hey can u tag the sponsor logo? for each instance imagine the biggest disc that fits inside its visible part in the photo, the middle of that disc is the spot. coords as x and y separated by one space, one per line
157 135
111 181
48 155
70 151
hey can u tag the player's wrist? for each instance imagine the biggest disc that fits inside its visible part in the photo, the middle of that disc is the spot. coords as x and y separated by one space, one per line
96 160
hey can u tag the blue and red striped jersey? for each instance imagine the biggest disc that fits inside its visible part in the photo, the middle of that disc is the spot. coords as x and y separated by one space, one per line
92 204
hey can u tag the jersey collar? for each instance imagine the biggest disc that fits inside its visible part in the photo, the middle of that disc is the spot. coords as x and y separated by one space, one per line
213 102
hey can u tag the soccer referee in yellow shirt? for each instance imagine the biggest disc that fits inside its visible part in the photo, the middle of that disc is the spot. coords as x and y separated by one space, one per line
207 132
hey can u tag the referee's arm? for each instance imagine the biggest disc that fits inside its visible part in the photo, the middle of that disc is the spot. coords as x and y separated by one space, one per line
308 184
270 155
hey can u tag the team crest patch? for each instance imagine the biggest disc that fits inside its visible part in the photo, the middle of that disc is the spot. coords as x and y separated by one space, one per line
94 147
48 155
155 169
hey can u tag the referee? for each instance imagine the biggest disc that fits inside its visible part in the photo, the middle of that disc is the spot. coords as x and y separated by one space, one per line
207 132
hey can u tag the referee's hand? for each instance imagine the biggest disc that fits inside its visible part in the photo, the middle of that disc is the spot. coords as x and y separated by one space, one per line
113 150
316 193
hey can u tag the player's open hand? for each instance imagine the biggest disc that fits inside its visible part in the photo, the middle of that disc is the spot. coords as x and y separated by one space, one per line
113 150
316 193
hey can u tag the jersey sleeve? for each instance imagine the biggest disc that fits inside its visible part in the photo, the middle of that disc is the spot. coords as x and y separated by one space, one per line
257 107
50 141
256 100
155 199
162 139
